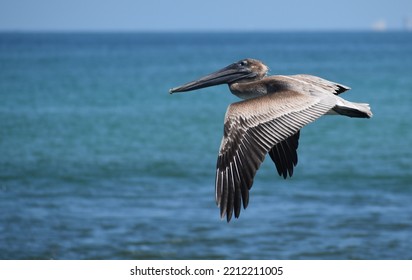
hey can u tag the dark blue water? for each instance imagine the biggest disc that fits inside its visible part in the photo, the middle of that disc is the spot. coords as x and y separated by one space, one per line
98 161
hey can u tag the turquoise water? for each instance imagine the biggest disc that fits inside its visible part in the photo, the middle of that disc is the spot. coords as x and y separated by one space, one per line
98 161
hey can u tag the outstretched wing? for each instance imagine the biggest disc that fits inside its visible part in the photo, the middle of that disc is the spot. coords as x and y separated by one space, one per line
285 156
252 127
329 86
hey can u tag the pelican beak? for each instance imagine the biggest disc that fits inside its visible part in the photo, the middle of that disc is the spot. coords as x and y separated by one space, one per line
227 75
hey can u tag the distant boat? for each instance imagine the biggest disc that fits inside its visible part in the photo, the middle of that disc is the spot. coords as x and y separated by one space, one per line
267 121
407 24
379 26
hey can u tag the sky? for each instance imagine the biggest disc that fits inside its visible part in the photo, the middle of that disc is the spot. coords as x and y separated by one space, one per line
205 15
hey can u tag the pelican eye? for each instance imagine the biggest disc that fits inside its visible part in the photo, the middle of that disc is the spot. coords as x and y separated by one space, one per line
243 63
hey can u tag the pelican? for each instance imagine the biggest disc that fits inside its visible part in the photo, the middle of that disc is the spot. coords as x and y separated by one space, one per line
267 120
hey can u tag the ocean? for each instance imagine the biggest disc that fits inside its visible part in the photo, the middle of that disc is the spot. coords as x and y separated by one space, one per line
99 161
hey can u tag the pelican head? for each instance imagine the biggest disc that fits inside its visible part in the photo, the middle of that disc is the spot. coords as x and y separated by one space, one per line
245 70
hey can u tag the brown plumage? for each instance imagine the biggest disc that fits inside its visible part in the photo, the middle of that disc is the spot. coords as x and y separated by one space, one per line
267 121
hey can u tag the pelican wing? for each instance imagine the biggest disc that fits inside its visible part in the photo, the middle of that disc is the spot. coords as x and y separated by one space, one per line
252 128
329 86
285 156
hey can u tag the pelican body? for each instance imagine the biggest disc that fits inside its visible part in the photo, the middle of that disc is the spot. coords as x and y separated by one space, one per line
268 120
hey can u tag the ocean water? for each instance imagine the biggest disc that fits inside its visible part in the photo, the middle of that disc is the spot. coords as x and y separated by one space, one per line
98 161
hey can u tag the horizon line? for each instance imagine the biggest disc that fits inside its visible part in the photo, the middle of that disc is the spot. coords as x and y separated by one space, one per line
91 30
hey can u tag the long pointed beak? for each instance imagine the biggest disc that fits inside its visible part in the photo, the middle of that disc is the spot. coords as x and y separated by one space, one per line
226 75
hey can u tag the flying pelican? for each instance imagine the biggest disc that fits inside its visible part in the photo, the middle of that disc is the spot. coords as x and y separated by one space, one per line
268 120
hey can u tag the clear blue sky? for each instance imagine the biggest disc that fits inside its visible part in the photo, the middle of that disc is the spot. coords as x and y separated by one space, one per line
191 15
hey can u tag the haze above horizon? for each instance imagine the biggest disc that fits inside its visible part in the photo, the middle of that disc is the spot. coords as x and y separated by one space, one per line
212 15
